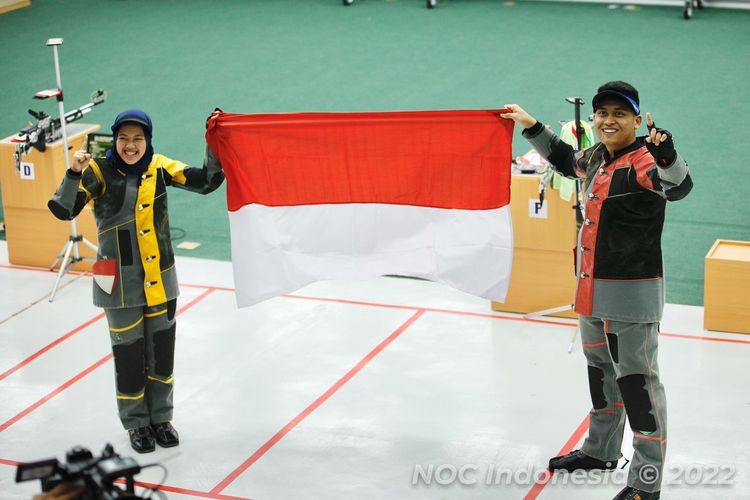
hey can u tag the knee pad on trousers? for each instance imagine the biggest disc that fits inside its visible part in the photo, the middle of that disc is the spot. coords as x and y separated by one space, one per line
164 351
637 403
596 387
171 309
612 343
130 366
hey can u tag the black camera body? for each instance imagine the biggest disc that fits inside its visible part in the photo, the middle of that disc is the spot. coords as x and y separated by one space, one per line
97 474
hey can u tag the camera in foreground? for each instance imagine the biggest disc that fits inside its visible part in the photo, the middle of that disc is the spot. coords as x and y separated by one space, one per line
96 474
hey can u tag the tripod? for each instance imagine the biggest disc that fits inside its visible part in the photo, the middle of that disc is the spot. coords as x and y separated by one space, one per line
576 102
69 254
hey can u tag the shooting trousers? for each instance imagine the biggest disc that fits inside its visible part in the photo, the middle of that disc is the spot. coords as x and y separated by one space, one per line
624 379
143 340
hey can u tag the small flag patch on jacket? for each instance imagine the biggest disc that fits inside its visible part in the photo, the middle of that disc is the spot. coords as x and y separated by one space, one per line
105 274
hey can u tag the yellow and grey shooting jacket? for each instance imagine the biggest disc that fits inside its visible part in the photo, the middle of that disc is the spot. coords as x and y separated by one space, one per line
133 224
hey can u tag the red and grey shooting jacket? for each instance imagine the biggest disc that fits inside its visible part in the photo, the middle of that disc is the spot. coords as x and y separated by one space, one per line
619 269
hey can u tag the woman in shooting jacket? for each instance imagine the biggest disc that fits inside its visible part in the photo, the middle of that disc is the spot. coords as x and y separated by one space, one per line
134 275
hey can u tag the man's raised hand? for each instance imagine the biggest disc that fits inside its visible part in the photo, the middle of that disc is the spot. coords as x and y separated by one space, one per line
659 143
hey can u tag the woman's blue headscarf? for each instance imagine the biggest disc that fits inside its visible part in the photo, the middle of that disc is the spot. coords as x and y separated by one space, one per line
141 118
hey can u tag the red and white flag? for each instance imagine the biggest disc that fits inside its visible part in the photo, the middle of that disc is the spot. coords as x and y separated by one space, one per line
315 196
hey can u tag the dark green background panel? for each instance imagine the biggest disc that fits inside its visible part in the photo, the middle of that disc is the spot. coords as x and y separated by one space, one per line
180 59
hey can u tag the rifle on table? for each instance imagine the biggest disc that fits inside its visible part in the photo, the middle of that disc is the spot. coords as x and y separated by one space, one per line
48 129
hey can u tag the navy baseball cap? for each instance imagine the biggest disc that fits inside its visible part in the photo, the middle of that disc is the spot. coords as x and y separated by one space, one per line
134 116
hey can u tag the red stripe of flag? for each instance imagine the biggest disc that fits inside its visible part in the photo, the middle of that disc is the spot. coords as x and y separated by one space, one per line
442 159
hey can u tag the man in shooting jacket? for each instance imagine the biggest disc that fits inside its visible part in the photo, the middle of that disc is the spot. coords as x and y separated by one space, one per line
620 281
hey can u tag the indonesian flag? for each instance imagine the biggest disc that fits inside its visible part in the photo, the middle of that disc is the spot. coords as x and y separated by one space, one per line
315 196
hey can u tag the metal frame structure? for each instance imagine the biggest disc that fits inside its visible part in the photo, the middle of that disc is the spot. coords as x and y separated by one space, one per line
69 254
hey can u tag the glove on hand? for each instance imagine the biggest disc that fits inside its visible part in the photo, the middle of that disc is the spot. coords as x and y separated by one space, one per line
663 152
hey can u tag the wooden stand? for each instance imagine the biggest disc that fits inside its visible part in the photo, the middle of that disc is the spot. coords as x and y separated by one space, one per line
9 5
543 276
35 237
726 301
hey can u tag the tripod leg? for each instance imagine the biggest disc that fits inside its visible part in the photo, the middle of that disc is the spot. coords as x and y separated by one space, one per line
69 260
89 244
63 267
59 256
573 341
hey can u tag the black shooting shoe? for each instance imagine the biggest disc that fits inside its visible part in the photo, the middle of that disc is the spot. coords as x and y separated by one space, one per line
629 493
578 460
142 439
166 435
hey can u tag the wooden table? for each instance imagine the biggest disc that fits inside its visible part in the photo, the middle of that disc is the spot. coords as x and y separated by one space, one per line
543 276
35 237
726 300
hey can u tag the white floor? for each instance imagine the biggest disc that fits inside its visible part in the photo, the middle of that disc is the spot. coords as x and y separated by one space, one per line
385 389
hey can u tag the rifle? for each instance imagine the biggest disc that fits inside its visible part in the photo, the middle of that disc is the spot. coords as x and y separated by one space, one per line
48 129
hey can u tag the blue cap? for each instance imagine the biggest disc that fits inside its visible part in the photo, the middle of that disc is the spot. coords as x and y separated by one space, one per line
613 94
141 118
134 116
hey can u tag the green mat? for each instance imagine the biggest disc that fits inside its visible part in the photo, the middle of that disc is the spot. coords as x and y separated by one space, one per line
178 59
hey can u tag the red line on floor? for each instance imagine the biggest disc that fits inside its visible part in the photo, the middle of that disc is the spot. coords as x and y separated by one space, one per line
40 269
499 316
397 306
466 313
162 487
185 491
430 309
195 301
87 371
353 302
221 288
315 404
55 392
582 428
50 346
413 308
